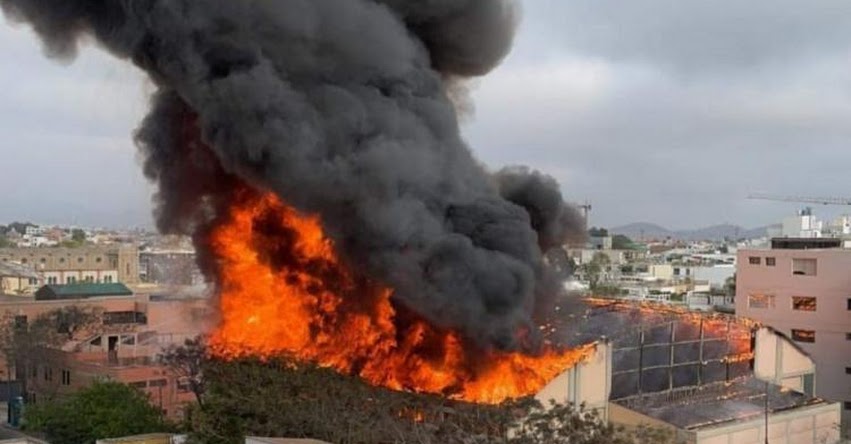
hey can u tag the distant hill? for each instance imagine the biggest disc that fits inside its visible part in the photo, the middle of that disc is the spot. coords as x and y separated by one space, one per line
644 230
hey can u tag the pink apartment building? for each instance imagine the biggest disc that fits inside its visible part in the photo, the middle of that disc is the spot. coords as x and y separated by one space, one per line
125 350
802 288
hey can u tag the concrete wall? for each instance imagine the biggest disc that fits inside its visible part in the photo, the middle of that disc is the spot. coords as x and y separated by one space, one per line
831 321
778 360
587 383
19 285
664 272
630 418
805 425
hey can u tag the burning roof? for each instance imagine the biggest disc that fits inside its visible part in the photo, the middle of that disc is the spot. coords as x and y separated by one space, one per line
313 148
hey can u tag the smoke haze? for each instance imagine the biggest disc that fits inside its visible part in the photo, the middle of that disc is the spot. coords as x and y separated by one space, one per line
342 108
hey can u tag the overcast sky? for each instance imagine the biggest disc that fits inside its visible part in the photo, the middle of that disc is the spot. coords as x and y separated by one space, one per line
664 111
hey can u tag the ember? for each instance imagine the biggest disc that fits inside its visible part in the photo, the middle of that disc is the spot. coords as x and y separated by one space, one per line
284 291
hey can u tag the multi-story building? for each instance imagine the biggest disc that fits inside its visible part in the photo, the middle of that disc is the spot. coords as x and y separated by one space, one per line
802 288
119 263
135 330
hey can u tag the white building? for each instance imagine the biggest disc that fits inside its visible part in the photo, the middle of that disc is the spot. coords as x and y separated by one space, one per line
804 225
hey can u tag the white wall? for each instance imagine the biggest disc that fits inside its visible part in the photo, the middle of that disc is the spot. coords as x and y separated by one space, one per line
588 382
804 425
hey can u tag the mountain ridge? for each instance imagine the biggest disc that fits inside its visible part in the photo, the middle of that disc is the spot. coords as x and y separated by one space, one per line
648 231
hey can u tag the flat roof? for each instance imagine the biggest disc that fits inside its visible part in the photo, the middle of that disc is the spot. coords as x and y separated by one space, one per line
707 406
87 289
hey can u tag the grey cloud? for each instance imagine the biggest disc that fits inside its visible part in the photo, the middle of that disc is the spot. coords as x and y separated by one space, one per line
695 36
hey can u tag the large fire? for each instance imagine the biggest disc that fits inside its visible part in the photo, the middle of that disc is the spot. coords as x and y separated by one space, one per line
284 291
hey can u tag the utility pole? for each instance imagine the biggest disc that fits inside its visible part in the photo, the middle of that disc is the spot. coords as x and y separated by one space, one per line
766 412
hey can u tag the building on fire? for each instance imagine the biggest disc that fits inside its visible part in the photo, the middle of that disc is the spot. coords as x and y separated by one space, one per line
710 379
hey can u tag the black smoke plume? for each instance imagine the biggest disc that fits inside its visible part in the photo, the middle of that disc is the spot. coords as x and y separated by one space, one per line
340 107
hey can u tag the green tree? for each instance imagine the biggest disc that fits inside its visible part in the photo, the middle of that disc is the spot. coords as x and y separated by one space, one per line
78 235
621 242
730 285
593 270
311 402
24 342
568 424
5 242
598 232
186 361
103 410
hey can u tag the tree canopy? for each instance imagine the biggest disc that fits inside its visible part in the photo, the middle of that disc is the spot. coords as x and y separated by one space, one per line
282 398
621 242
103 410
598 232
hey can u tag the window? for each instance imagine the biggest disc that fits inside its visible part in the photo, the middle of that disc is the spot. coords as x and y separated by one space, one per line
107 279
70 279
124 317
48 374
61 260
770 261
848 304
803 303
760 300
754 260
848 336
809 384
847 405
23 260
34 371
33 281
128 339
66 377
80 260
804 335
139 384
848 370
98 259
804 267
183 385
157 383
42 260
97 342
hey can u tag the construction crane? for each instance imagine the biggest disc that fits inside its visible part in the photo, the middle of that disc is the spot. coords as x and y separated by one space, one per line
802 199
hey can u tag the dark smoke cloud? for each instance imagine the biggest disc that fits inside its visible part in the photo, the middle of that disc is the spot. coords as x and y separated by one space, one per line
341 108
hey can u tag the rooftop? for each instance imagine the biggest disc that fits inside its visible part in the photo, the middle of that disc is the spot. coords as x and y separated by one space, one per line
11 269
706 406
82 290
800 243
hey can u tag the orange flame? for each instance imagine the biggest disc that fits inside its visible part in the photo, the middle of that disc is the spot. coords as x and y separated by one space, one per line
284 291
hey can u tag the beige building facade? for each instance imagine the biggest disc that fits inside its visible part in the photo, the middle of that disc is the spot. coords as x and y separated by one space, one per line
101 264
